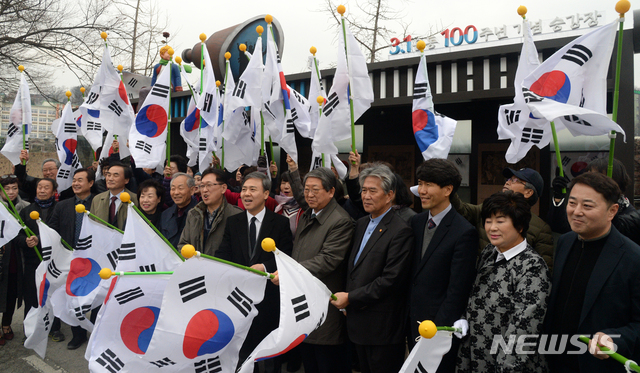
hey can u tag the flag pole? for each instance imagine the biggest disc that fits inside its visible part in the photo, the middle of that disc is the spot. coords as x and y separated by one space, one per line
103 35
178 60
320 99
203 37
428 329
260 30
35 215
269 18
24 125
218 93
189 251
126 198
614 355
622 7
170 66
227 56
80 208
341 9
106 273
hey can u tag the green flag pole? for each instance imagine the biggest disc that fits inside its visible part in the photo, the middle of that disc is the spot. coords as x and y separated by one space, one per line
154 228
170 66
227 56
621 7
320 99
203 37
24 125
341 9
81 209
614 355
103 35
15 214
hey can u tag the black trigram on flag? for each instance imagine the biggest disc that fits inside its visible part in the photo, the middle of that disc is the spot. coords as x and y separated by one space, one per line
84 243
110 361
12 130
278 56
240 301
297 96
133 82
80 311
93 97
420 90
26 145
208 102
533 135
420 368
530 96
160 90
240 89
129 295
113 258
317 163
53 269
202 145
565 160
75 161
578 54
2 228
144 146
148 268
332 102
575 119
46 253
212 365
63 174
512 116
70 128
45 320
192 289
291 122
300 308
127 251
115 107
94 126
458 161
163 362
267 109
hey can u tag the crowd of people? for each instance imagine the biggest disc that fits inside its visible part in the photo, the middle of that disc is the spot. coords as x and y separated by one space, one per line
492 270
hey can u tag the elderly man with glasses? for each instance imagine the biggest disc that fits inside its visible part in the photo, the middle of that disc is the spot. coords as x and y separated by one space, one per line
28 183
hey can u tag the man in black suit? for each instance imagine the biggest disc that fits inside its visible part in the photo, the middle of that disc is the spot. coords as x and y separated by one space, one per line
378 270
596 283
241 244
60 221
444 259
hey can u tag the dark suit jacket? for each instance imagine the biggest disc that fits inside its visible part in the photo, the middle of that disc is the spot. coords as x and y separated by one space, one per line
169 222
377 282
62 219
29 254
612 300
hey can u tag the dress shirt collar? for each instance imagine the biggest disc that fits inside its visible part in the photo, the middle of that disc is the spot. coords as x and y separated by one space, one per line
259 216
438 217
512 252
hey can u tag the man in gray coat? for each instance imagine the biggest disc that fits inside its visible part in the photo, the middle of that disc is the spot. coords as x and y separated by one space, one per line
321 245
205 222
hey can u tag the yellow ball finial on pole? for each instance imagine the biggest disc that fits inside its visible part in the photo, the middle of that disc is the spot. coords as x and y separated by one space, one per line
21 68
120 68
218 83
68 94
427 329
313 50
268 18
622 7
80 209
170 51
259 30
105 273
522 11
341 9
125 197
103 35
421 45
35 215
268 244
188 251
82 89
178 60
320 100
203 37
242 47
227 55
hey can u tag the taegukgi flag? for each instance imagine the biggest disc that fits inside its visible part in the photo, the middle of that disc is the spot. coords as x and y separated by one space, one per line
66 146
20 122
427 353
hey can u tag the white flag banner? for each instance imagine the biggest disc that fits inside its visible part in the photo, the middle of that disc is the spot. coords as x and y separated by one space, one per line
9 225
97 248
303 308
90 126
569 88
189 130
206 312
207 105
315 89
301 113
427 353
19 121
126 324
242 150
148 135
66 146
361 89
51 275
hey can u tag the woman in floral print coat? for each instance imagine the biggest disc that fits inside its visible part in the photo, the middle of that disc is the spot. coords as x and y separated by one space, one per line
509 296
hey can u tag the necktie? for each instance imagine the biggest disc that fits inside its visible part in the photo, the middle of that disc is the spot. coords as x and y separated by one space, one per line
313 216
252 236
112 210
432 224
428 235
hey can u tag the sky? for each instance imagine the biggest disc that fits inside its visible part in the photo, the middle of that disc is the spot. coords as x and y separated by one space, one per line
305 26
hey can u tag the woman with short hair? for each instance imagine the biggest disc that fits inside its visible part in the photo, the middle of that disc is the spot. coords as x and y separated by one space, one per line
150 195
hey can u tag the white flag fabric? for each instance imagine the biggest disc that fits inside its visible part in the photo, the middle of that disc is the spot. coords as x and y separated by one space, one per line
97 248
569 88
433 131
126 324
330 159
90 126
206 312
315 89
66 146
108 95
20 120
515 121
190 130
361 89
242 151
301 113
427 353
207 105
248 91
9 225
303 308
148 135
51 275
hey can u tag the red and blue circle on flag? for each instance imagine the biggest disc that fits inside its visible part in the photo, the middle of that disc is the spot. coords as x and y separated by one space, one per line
554 85
208 332
151 121
83 277
424 128
43 292
137 328
69 146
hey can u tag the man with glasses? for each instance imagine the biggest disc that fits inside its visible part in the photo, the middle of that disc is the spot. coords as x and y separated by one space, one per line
529 183
205 223
28 183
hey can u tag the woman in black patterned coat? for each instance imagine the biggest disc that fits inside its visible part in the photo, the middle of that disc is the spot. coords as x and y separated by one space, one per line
509 296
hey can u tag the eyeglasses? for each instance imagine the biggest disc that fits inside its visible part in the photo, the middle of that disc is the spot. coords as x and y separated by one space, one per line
312 191
8 177
514 180
209 186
